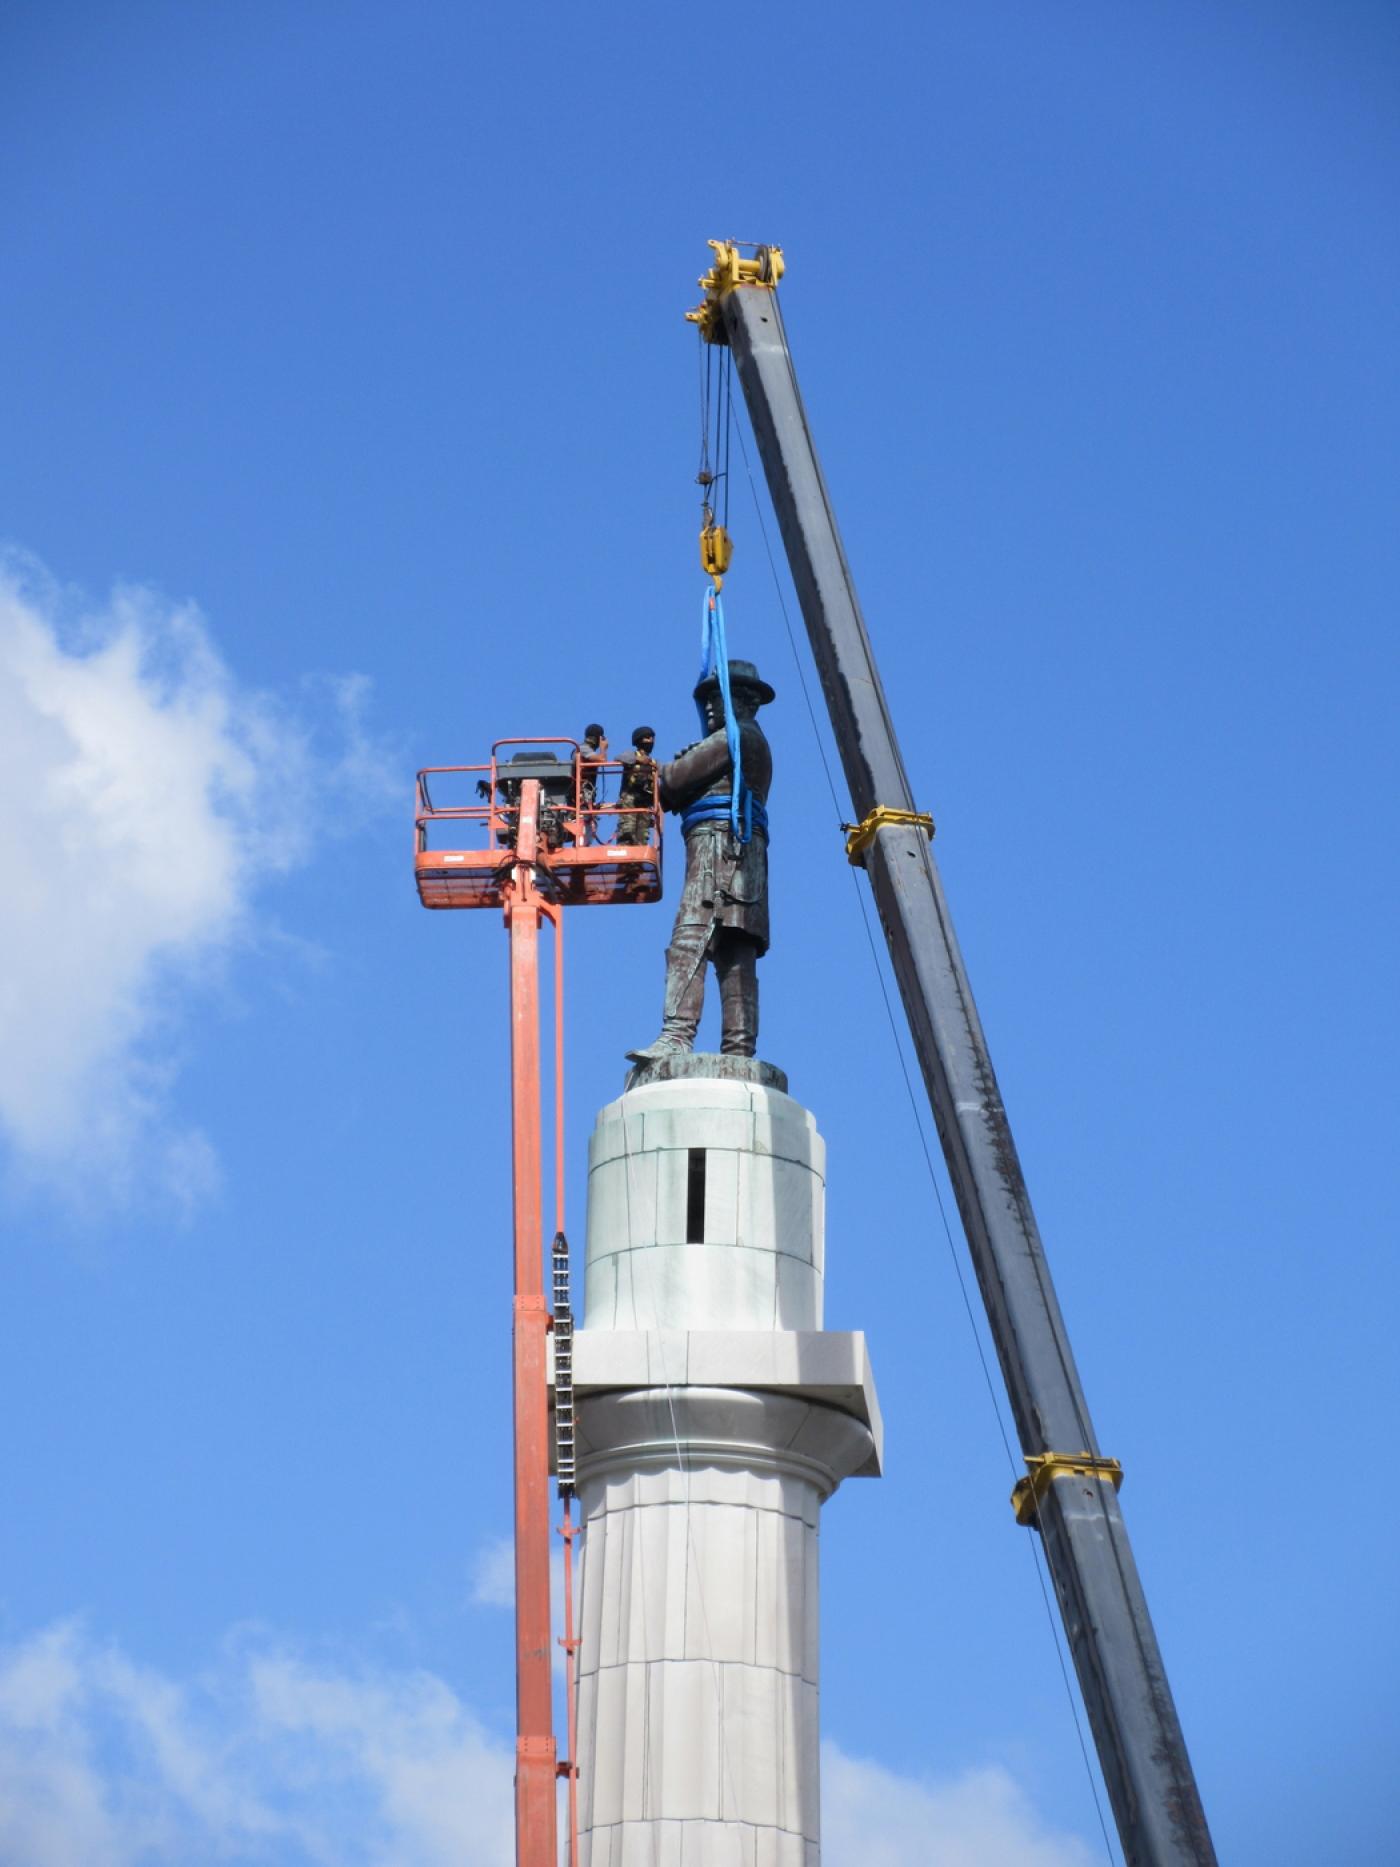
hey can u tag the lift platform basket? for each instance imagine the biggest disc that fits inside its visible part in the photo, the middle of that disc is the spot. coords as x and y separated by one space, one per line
589 851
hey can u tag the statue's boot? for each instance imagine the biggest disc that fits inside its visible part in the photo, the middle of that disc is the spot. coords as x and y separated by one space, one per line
736 970
685 995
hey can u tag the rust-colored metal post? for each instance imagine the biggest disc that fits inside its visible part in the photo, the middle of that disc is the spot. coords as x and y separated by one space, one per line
536 1842
569 1530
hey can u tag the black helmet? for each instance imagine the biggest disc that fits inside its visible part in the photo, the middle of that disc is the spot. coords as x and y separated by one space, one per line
642 732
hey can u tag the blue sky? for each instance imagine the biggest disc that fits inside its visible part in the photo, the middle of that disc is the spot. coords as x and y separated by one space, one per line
349 422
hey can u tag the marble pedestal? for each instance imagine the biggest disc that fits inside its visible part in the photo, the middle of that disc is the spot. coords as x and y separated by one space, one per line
715 1416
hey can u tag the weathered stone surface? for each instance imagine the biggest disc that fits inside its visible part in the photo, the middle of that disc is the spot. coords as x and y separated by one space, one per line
764 1201
707 1066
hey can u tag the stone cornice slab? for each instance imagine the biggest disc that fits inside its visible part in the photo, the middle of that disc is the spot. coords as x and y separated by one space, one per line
828 1367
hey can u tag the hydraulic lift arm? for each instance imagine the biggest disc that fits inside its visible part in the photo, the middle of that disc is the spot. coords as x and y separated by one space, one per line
1071 1491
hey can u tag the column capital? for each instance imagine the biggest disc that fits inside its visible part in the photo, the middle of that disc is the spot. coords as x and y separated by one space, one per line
657 1429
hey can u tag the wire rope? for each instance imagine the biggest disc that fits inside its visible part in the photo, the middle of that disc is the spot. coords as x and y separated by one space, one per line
727 372
1061 1344
706 360
1036 1553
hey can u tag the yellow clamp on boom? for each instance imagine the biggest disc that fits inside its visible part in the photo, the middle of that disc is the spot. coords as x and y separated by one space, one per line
863 834
730 270
1045 1467
716 548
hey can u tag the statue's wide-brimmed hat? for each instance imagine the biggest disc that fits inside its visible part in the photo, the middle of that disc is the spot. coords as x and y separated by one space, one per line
741 674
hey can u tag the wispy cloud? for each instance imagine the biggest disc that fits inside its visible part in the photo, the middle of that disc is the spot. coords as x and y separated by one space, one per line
267 1756
493 1574
493 1585
147 798
872 1817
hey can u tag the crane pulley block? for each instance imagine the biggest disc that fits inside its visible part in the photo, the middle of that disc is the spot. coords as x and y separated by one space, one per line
716 548
731 270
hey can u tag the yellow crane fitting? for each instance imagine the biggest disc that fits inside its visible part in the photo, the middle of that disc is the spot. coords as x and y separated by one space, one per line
731 270
1045 1467
863 834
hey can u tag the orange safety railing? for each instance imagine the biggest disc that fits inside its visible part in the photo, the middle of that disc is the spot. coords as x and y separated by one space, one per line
464 848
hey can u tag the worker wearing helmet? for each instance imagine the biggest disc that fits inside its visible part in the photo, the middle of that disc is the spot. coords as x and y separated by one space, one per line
637 786
722 918
592 756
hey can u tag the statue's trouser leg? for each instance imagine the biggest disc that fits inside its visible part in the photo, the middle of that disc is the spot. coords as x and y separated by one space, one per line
685 982
736 969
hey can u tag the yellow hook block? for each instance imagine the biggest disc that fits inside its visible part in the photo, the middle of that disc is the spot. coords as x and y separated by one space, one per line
716 549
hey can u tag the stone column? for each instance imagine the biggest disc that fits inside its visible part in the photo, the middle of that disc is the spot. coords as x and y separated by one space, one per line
715 1417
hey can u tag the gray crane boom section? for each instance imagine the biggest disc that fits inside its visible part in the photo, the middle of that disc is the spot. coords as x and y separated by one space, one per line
1141 1747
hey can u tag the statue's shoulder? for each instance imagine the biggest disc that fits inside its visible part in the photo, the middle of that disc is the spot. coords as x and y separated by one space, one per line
754 740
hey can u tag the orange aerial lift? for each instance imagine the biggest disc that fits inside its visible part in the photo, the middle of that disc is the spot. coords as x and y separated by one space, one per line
528 833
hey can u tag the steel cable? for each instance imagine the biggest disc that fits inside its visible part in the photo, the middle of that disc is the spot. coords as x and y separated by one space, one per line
1036 1553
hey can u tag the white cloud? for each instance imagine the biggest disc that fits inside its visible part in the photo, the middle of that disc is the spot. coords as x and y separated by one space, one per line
493 1575
269 1757
981 1818
146 798
265 1758
493 1586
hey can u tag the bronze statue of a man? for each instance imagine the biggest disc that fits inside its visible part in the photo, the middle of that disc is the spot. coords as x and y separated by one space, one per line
723 912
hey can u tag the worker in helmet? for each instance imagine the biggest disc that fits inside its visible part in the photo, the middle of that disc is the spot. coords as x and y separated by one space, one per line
722 919
592 754
637 787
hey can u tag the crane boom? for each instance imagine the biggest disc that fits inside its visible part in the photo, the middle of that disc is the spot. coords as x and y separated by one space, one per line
1070 1494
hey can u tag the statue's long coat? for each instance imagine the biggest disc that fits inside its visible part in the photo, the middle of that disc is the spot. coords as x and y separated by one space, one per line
726 881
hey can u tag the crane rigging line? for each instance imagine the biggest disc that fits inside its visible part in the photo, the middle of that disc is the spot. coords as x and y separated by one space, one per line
1068 1373
716 422
727 377
1036 1554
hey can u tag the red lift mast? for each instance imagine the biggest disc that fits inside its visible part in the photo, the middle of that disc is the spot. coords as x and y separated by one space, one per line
542 853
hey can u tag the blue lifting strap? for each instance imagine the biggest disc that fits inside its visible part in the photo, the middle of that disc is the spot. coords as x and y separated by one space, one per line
717 808
741 807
